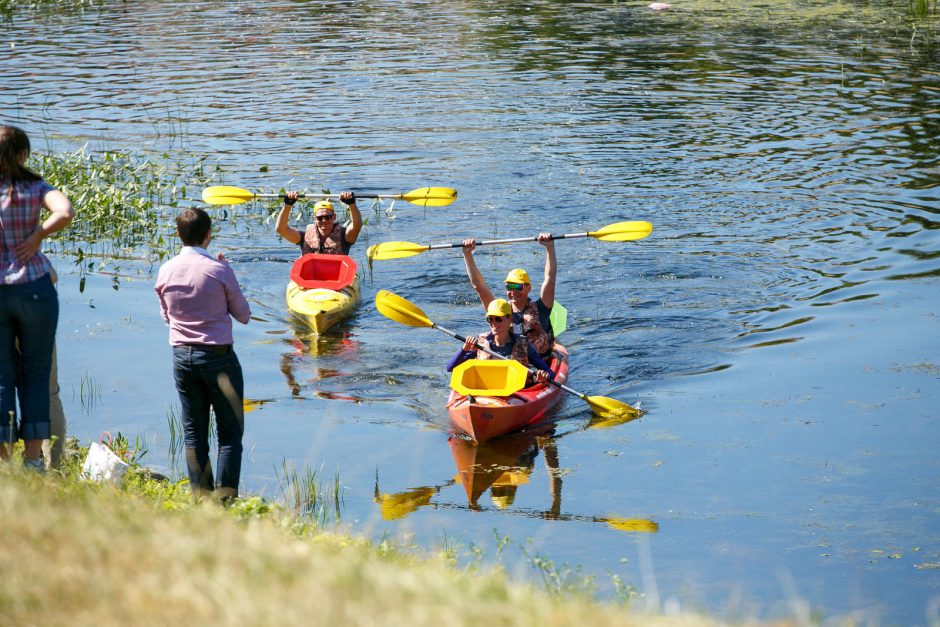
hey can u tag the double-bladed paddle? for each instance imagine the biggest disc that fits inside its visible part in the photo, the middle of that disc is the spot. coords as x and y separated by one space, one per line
423 196
400 310
616 232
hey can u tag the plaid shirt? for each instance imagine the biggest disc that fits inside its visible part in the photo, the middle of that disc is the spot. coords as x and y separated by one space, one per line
20 209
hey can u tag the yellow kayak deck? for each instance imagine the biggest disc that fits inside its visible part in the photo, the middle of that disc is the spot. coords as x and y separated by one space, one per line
320 308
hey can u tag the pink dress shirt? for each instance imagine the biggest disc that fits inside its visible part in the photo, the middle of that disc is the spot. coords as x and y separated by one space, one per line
198 294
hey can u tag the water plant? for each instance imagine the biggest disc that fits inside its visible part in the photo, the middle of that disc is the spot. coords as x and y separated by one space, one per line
9 7
89 393
130 452
125 204
449 548
304 494
175 425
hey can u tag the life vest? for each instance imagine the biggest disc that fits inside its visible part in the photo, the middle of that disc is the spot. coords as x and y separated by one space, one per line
332 244
531 328
520 348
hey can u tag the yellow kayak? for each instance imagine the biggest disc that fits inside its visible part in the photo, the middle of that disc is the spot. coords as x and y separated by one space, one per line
324 290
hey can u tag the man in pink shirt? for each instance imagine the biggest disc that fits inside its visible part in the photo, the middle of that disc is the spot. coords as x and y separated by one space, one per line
199 296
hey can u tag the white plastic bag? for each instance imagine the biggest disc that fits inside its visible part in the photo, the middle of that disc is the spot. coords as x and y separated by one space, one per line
103 465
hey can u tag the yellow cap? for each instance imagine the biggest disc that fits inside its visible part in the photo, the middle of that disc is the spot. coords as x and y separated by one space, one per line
503 495
517 276
323 204
499 307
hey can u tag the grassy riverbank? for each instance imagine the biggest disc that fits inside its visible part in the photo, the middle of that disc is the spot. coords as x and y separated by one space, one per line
83 553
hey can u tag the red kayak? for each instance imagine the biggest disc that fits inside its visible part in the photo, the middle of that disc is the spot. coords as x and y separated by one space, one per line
485 417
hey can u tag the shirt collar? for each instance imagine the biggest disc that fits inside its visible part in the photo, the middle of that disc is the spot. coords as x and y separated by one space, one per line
199 250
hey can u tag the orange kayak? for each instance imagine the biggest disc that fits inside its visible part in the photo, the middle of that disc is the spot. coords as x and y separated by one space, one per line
486 417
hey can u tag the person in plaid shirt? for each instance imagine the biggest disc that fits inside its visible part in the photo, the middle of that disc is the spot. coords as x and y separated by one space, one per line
29 305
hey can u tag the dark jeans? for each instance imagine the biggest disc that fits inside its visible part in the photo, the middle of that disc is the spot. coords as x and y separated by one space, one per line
29 312
209 377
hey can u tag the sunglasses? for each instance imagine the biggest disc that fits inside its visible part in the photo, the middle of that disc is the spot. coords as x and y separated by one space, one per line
325 218
495 318
514 287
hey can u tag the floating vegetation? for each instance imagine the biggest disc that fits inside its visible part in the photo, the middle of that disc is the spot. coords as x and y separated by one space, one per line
124 204
9 7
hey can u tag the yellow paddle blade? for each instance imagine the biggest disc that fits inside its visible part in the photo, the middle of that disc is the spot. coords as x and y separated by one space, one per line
488 377
400 310
623 231
400 504
226 195
431 196
394 250
633 525
609 421
610 408
249 405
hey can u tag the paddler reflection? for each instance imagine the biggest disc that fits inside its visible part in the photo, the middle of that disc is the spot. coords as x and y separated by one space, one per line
500 466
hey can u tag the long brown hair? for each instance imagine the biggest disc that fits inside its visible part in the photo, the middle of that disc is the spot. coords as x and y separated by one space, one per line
13 143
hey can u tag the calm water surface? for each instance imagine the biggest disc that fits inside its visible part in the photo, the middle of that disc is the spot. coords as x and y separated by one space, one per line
779 326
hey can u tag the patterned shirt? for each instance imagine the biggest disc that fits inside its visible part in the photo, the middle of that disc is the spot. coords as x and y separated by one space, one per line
199 296
20 209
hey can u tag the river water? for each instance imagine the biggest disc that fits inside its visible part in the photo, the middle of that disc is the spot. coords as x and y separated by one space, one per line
779 326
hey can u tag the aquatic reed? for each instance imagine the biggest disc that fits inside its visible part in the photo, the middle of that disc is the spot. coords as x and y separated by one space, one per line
125 204
304 495
89 393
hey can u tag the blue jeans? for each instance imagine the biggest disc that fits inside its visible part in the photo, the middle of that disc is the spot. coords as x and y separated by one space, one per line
207 377
29 313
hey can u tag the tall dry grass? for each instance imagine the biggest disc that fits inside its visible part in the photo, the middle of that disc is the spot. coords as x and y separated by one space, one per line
83 554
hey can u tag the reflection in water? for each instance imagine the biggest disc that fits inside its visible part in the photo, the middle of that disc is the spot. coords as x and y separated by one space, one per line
614 420
399 504
305 348
249 405
501 465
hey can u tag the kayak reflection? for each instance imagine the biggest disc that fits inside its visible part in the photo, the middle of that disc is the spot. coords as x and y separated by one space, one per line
501 466
305 342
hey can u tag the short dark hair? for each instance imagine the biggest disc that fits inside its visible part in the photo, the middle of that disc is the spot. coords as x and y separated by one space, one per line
193 225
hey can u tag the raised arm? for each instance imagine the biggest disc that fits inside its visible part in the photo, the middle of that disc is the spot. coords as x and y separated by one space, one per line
352 231
476 277
292 235
547 292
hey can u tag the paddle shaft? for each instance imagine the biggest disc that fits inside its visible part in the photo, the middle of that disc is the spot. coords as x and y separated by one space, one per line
507 241
548 514
415 317
301 196
434 325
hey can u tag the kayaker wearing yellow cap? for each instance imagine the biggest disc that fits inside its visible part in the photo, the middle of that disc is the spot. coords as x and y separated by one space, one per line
503 341
324 236
529 317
